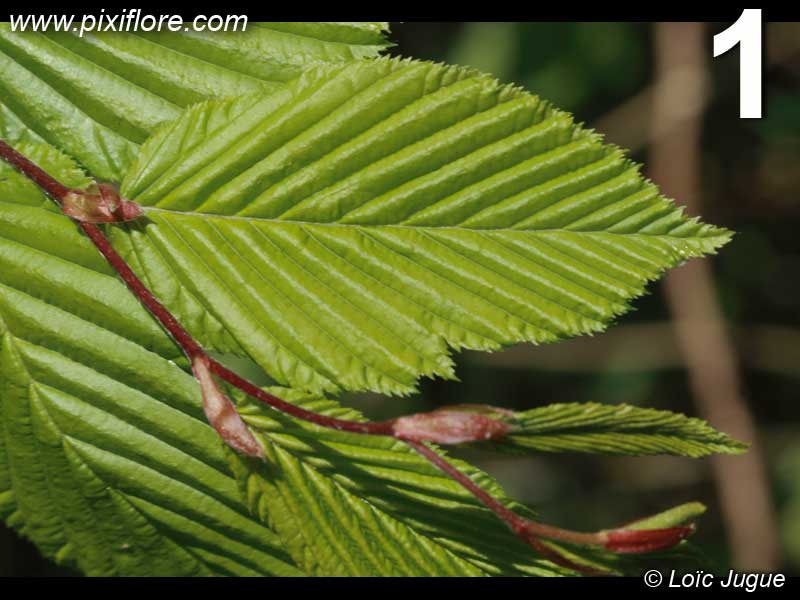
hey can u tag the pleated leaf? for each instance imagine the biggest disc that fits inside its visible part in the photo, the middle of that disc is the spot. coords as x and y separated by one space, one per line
347 231
620 429
99 96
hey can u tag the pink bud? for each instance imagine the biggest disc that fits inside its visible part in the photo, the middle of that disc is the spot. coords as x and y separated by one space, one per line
222 414
101 203
636 541
453 426
129 211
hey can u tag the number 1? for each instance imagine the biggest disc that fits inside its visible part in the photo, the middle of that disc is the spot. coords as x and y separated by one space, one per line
746 32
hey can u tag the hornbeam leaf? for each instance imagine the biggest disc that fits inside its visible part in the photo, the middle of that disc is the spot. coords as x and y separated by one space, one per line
619 429
348 230
99 96
106 460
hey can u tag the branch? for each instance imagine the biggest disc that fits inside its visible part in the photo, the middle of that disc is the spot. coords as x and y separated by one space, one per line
458 424
699 323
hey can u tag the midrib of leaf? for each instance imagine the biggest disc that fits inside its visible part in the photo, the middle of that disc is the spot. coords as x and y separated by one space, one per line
99 96
671 236
637 262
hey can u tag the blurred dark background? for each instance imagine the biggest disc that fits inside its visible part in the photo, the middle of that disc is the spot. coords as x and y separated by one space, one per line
721 340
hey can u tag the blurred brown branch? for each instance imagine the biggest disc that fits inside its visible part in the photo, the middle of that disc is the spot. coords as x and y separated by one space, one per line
629 124
676 123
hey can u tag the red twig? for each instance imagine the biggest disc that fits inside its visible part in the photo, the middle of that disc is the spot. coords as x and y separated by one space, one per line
369 427
453 425
21 163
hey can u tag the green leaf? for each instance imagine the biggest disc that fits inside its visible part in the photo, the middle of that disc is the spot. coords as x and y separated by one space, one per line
99 96
349 504
346 231
106 460
620 429
678 515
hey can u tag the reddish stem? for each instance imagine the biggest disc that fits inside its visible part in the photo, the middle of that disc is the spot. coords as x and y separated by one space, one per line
409 429
236 380
528 531
187 343
21 163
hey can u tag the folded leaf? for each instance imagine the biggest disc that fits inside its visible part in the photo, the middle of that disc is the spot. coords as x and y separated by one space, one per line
99 96
608 429
348 230
685 556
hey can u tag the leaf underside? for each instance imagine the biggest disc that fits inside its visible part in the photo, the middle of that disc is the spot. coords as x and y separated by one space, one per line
99 97
345 231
